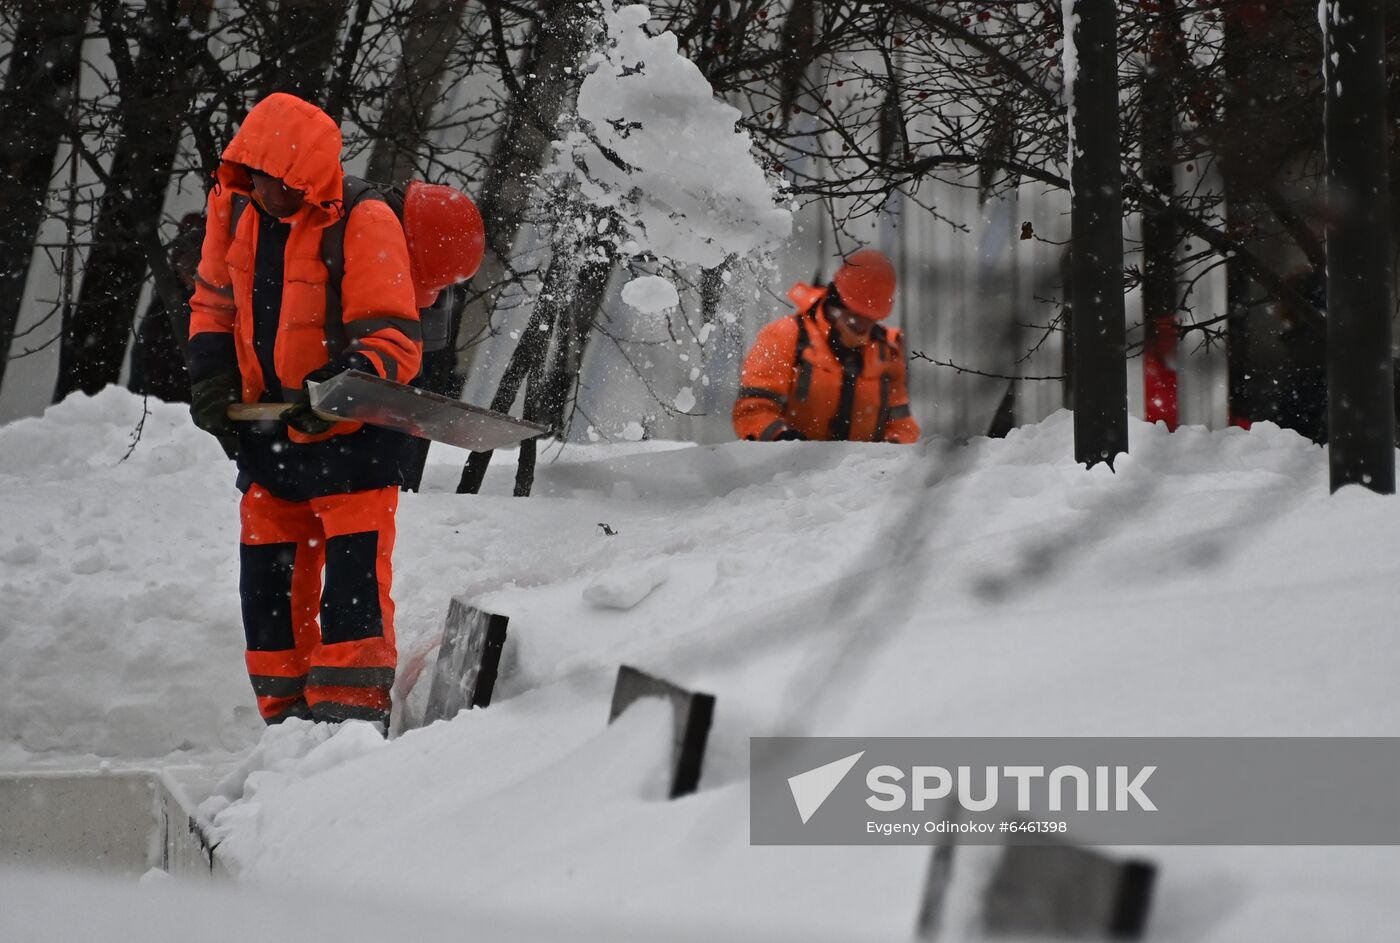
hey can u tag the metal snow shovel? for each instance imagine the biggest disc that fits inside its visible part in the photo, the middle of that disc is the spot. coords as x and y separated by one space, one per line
363 398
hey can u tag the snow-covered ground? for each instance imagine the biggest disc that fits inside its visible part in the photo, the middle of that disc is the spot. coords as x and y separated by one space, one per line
1210 587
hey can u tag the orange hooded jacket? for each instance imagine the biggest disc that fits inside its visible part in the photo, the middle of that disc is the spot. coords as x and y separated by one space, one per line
377 331
792 381
295 141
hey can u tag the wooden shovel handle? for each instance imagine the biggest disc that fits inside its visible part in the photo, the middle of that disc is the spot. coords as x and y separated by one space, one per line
261 412
253 412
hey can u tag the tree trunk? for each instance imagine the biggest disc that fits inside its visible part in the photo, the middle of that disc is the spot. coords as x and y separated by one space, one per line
433 30
1096 213
1066 269
344 72
531 124
1271 127
799 31
576 293
530 351
1240 408
302 45
154 95
1360 371
1240 161
41 81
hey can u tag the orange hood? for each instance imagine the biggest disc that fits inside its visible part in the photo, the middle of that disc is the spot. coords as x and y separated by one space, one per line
286 137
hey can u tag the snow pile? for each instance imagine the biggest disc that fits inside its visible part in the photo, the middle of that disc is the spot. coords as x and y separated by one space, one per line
1210 587
657 147
292 750
625 588
113 573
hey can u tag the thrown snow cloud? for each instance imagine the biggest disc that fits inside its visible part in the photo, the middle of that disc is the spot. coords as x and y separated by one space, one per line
665 153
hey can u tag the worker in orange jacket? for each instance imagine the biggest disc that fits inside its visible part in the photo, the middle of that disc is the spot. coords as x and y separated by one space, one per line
830 371
316 493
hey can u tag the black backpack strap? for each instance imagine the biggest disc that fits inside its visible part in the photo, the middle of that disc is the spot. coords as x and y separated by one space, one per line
882 418
236 208
333 257
881 338
890 352
803 385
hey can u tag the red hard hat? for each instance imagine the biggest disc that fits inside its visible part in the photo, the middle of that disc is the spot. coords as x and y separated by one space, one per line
446 238
865 282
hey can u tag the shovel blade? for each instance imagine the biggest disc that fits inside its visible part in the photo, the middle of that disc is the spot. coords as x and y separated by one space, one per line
364 398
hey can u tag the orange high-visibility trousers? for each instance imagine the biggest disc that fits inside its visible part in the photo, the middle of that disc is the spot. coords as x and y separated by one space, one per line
321 651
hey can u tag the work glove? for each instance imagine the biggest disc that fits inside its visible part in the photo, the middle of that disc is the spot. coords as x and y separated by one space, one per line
209 402
301 416
789 435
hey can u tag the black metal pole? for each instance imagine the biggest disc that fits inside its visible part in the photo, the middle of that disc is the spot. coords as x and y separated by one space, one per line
1096 227
1360 368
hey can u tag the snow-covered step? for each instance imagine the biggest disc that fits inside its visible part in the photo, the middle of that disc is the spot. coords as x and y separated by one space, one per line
117 822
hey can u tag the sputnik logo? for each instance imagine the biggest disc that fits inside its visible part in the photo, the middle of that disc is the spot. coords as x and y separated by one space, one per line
814 787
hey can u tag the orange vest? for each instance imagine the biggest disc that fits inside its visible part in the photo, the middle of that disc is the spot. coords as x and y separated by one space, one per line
793 380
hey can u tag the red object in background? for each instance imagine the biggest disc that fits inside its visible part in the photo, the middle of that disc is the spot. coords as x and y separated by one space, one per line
1159 371
446 238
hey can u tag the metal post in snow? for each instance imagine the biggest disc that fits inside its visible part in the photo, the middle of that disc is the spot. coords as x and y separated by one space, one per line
1360 368
1096 213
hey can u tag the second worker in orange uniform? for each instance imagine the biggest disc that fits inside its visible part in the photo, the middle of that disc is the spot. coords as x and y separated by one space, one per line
830 371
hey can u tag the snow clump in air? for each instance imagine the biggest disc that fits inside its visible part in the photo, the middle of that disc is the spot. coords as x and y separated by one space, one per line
685 399
658 148
651 294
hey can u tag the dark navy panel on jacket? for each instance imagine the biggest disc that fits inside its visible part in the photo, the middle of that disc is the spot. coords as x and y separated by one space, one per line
360 461
211 353
268 266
